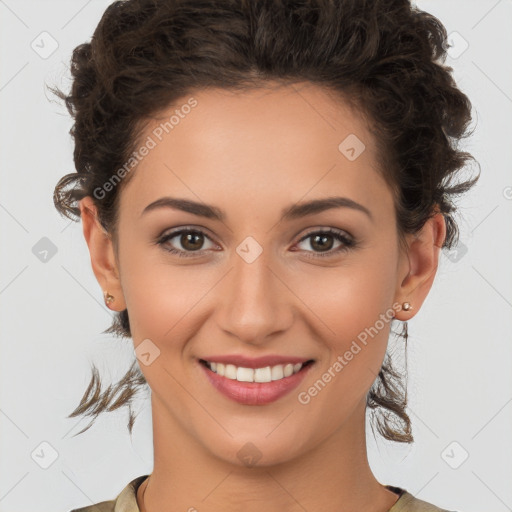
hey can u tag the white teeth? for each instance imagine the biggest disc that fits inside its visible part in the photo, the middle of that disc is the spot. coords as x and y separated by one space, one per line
244 374
277 372
263 374
266 374
230 371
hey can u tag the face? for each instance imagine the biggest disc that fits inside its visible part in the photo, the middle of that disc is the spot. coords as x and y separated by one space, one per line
241 272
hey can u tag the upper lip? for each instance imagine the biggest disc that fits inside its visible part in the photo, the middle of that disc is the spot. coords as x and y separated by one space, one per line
255 362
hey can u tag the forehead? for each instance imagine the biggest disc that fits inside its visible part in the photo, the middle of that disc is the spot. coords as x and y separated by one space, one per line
277 140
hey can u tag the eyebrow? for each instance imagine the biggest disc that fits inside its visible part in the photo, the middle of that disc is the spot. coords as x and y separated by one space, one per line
295 211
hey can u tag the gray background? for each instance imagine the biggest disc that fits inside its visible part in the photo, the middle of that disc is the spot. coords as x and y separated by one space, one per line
52 312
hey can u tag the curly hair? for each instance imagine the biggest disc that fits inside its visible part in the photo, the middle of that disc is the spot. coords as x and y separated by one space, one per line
385 57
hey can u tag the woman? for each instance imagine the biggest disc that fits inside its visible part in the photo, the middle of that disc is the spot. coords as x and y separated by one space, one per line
265 188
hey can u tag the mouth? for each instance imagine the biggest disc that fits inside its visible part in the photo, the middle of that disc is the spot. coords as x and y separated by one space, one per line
257 385
262 374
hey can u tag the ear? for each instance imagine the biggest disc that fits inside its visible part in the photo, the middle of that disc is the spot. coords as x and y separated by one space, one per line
102 253
419 265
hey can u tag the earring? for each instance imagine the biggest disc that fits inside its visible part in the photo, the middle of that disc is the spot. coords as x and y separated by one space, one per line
406 306
108 298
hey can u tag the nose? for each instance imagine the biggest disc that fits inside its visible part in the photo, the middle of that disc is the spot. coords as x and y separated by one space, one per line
253 302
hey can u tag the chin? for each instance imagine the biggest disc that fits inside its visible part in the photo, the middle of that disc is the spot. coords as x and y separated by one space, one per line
260 450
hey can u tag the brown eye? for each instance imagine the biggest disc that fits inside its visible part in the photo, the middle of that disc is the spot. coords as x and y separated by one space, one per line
188 241
191 241
322 242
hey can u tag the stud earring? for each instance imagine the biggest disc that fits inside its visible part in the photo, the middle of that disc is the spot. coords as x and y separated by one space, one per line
406 306
108 298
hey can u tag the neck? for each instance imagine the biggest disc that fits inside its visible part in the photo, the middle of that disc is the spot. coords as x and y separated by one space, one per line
334 476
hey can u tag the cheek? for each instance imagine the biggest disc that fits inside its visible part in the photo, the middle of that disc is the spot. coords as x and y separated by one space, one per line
357 309
351 297
352 304
161 296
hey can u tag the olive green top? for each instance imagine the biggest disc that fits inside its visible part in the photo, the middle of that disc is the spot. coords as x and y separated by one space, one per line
126 501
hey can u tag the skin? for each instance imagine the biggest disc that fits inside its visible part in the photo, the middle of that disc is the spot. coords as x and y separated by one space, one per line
252 154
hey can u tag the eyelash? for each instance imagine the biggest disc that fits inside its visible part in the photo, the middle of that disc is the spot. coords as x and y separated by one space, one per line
348 242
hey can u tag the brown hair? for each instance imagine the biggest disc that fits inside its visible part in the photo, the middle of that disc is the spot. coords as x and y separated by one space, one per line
384 56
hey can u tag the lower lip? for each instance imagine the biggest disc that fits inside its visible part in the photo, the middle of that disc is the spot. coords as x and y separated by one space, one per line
255 393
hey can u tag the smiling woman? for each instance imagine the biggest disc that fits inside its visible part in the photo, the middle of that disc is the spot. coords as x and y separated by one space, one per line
284 175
